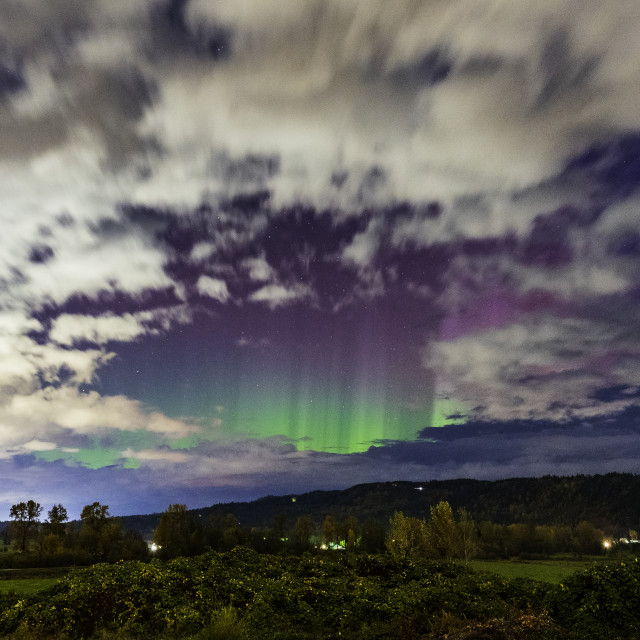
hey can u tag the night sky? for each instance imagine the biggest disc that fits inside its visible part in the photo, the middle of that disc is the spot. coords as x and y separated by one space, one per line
254 248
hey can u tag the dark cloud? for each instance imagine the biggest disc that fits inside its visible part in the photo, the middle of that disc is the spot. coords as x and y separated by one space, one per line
432 69
40 253
486 247
174 33
31 136
253 169
616 392
548 245
610 167
107 301
481 65
302 236
625 243
563 74
248 203
113 102
11 80
599 444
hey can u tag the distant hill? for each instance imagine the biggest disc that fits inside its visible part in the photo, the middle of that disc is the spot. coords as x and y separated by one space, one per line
611 502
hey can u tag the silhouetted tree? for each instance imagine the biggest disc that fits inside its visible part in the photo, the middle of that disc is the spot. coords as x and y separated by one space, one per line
302 533
280 526
94 515
233 534
372 537
25 521
329 531
55 523
587 538
132 547
51 535
93 533
348 532
173 532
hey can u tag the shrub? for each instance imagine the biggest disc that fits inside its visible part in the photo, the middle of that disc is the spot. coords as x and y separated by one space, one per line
602 602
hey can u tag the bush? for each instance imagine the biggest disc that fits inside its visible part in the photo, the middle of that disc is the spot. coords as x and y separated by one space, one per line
241 594
602 602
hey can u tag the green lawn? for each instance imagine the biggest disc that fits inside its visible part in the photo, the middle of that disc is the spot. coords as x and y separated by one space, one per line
553 571
26 586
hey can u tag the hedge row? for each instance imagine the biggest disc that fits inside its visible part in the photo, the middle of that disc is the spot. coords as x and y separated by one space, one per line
330 596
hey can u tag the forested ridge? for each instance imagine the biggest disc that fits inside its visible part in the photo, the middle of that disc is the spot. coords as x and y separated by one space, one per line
611 502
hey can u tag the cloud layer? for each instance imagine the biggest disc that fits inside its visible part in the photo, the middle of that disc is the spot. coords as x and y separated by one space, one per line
429 204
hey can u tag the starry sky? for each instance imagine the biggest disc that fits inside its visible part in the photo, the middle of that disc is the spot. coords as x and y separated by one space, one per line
255 248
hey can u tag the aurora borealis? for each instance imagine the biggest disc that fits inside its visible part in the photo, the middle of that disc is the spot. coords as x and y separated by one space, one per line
264 248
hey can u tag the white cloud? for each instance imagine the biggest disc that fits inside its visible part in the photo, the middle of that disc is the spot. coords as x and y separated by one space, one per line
213 288
363 248
259 269
22 360
335 83
39 445
70 328
202 251
538 370
128 265
151 456
276 295
52 409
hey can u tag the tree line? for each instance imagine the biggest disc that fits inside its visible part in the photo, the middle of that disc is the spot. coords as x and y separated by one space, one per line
179 533
443 535
447 536
97 537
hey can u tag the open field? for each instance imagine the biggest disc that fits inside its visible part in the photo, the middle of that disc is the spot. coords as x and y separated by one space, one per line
552 571
26 586
30 581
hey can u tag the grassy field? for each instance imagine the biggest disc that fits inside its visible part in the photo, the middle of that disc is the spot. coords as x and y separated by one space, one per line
553 571
26 586
28 581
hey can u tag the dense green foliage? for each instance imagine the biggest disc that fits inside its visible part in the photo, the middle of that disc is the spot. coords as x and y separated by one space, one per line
442 537
333 595
602 602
